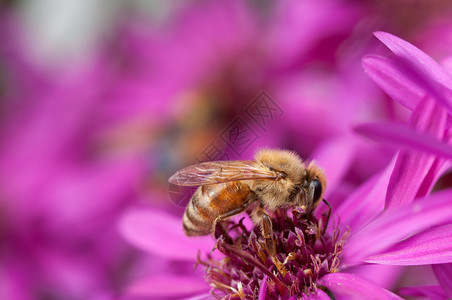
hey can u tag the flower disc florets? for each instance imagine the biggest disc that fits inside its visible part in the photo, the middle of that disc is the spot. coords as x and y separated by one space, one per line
248 270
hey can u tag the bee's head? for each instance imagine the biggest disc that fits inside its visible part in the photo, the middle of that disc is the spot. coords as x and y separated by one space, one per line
313 187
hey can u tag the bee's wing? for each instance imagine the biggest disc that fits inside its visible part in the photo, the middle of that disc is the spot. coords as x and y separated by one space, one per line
220 171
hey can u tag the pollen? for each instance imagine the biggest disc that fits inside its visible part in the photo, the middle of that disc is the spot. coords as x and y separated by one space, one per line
302 257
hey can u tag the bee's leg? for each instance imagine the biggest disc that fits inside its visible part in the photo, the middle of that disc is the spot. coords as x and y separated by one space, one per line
267 233
219 230
217 222
328 216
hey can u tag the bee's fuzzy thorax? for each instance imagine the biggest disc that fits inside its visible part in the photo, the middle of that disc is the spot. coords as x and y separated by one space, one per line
285 160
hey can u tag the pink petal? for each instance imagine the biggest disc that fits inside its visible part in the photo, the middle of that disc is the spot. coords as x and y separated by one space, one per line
443 273
161 233
167 286
383 275
394 225
365 202
429 117
206 296
412 167
387 74
430 292
263 288
427 72
432 246
354 287
405 137
439 167
416 56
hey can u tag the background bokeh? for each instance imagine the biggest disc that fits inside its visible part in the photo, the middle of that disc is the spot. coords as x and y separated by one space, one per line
101 101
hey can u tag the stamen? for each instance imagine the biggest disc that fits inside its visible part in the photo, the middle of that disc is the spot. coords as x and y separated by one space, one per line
304 253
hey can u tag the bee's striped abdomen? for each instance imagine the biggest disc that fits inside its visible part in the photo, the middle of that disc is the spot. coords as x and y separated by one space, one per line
212 201
198 217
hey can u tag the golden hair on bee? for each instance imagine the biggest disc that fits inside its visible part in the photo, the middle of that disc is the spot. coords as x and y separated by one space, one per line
301 185
285 160
274 179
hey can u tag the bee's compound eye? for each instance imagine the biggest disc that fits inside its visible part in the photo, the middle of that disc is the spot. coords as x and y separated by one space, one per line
317 186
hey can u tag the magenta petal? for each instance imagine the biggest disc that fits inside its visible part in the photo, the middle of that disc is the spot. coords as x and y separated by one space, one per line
351 286
403 136
429 117
443 273
416 56
382 275
365 202
167 286
408 138
161 233
423 69
439 167
395 225
263 288
205 296
386 73
412 167
429 292
432 246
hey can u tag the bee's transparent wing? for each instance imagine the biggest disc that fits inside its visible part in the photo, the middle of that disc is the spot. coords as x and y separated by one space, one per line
221 171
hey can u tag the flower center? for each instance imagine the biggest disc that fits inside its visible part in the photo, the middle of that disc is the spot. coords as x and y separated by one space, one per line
248 270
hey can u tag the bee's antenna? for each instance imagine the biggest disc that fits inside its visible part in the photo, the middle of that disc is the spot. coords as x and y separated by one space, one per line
328 216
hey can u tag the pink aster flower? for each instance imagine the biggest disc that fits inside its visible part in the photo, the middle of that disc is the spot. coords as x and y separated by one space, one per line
390 220
316 264
76 144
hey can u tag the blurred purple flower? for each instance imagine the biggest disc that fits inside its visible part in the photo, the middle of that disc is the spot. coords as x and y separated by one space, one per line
61 191
392 218
288 51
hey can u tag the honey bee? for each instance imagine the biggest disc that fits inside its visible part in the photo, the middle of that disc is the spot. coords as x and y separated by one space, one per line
274 179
